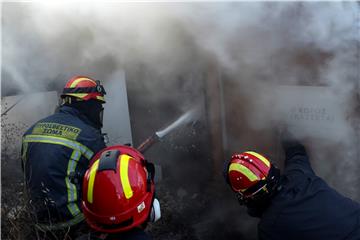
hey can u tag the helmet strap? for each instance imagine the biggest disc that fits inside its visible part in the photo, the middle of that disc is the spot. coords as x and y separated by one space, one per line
68 100
97 89
150 168
263 190
155 213
272 181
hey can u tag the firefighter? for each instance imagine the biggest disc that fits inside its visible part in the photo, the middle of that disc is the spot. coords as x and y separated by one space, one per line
55 155
119 195
295 205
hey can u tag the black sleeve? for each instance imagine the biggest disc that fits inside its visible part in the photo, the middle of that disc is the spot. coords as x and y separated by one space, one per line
134 234
296 157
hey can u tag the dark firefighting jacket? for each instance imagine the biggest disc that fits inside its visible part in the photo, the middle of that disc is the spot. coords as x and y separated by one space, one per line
306 207
55 155
133 234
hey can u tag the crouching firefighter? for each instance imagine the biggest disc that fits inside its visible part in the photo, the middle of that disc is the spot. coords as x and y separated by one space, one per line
296 205
119 195
56 152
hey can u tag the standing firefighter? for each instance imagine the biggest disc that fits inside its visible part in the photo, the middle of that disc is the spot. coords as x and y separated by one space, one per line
295 205
56 152
119 195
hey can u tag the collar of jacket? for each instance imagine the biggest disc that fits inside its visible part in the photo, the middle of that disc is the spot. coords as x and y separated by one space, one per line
76 112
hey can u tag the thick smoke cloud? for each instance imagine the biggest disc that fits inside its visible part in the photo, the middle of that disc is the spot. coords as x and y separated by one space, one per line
256 46
255 43
249 39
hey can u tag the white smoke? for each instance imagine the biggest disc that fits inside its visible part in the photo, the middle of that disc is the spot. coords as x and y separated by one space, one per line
44 40
258 46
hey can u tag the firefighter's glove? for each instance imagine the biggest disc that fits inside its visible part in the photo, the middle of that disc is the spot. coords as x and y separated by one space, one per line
291 145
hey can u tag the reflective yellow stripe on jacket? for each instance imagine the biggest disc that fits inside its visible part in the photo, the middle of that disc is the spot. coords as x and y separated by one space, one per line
71 188
61 141
78 150
62 225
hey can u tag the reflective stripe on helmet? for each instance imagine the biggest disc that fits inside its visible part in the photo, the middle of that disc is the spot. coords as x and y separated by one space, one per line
124 176
82 96
78 95
76 81
84 88
92 175
262 158
243 170
101 98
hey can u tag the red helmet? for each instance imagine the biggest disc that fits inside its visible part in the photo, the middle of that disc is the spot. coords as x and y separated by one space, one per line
84 88
251 175
118 190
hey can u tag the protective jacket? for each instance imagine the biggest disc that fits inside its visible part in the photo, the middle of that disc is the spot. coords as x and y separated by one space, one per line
306 207
55 155
133 234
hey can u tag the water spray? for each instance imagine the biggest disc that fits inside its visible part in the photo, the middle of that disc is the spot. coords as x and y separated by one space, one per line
12 106
184 119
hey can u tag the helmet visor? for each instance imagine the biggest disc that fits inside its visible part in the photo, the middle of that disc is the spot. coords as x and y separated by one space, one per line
254 193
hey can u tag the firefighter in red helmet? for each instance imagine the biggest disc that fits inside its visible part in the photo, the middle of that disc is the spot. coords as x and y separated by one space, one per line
55 155
119 194
295 205
253 178
87 96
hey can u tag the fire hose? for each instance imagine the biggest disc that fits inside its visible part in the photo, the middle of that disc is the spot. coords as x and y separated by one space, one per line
7 110
187 117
